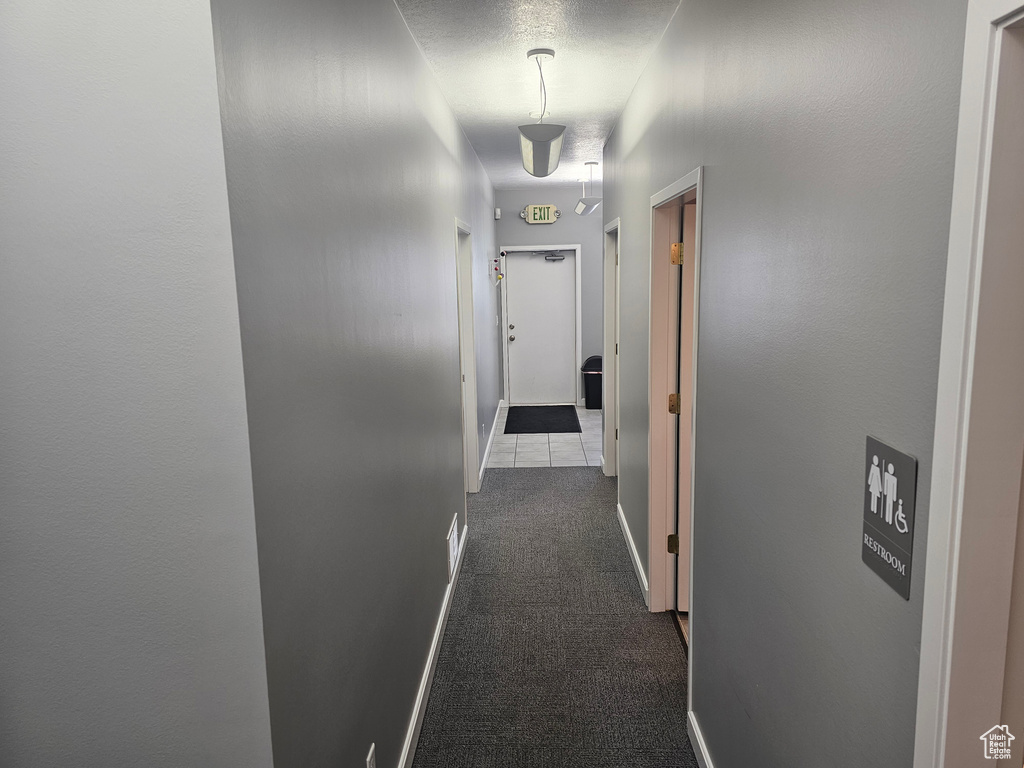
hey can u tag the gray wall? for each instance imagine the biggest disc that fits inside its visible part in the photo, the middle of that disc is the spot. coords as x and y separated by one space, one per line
486 305
827 135
570 228
346 171
130 630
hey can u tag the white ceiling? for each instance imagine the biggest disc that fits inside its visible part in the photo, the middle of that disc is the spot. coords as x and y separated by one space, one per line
477 49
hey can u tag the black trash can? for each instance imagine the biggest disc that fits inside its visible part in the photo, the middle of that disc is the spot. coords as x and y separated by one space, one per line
592 382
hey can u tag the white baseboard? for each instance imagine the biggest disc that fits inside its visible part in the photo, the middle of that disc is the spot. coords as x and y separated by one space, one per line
490 442
412 735
700 746
635 557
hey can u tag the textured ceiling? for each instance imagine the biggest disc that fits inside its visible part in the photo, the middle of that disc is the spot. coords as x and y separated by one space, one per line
478 51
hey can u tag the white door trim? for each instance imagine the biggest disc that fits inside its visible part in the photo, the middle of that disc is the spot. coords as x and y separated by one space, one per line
661 516
610 362
467 355
576 248
661 566
951 596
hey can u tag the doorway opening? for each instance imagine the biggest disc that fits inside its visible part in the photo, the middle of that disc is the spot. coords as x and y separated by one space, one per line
610 404
467 355
971 682
675 281
542 340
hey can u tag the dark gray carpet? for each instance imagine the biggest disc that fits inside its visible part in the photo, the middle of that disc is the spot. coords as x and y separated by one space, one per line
550 658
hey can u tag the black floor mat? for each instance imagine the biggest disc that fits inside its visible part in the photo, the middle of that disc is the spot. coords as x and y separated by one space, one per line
540 419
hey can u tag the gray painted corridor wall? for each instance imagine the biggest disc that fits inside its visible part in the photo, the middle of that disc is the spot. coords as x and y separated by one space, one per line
130 630
827 133
346 171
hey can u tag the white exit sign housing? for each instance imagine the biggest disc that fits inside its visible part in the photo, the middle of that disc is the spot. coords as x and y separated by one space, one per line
540 214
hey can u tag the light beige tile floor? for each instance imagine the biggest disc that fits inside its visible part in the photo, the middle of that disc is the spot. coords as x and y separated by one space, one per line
557 449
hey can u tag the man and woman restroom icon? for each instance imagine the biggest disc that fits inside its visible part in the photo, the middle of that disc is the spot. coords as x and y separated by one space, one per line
879 487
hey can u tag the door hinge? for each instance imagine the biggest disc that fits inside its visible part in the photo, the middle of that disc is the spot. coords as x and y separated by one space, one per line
463 378
616 434
673 404
616 258
673 543
677 253
616 349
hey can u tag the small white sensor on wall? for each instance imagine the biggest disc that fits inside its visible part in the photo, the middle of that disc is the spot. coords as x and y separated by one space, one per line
497 213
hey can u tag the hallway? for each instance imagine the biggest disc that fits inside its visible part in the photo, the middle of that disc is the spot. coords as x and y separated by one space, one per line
254 329
550 658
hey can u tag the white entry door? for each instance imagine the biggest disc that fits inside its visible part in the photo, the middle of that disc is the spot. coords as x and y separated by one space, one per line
540 327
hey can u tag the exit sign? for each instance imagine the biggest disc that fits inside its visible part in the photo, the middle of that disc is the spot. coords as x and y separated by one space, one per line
540 214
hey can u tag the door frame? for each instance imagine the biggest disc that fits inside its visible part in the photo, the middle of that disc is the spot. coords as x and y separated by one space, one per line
610 361
662 506
467 353
510 249
970 530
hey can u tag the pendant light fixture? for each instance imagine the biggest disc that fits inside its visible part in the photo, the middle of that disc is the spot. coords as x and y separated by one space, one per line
541 143
588 205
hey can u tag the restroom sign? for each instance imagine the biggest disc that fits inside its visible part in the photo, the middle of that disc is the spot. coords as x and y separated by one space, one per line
540 214
890 493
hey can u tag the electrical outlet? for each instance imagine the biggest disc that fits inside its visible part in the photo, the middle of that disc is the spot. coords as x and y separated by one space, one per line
371 757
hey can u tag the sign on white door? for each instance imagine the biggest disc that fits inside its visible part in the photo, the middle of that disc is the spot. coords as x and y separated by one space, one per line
540 326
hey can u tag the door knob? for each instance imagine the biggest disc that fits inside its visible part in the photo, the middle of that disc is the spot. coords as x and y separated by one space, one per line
511 338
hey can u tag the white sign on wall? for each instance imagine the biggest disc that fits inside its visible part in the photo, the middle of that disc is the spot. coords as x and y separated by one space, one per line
540 214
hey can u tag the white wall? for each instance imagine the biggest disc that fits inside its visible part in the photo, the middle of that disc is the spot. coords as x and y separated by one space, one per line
130 627
479 201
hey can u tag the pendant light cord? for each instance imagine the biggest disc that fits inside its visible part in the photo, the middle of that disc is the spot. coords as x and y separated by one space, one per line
543 92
